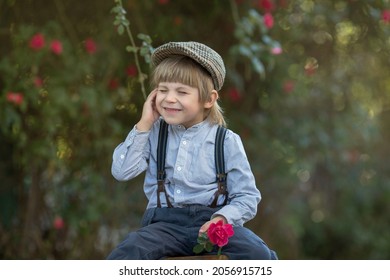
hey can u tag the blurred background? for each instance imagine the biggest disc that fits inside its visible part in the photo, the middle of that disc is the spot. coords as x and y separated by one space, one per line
307 88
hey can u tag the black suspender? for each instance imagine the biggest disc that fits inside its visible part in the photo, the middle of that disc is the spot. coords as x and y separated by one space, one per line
219 157
161 153
219 164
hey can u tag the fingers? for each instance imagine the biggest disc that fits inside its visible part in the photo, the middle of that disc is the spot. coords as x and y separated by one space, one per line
152 94
204 228
149 112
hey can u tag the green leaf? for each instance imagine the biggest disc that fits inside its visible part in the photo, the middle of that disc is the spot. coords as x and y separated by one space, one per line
145 38
258 66
131 49
198 249
115 10
121 29
203 238
125 22
209 247
244 51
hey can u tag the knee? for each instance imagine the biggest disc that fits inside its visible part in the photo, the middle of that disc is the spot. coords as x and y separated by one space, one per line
260 251
129 249
246 245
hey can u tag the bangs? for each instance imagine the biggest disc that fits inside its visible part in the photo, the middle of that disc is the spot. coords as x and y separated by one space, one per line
180 69
184 70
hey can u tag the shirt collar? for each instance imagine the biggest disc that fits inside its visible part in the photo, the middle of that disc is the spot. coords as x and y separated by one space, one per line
193 129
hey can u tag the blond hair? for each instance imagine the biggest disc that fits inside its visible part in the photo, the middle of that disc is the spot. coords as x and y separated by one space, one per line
182 69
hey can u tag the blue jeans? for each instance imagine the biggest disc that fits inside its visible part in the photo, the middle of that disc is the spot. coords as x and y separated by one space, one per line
169 232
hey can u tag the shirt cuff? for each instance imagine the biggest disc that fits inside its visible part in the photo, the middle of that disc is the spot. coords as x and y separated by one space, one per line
142 138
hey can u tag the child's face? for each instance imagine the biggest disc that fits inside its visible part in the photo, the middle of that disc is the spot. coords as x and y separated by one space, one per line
178 104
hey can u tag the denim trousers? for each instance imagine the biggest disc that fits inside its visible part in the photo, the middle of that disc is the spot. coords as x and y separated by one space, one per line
172 232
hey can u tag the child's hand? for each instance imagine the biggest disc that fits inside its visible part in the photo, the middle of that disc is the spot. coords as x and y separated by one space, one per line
149 113
206 226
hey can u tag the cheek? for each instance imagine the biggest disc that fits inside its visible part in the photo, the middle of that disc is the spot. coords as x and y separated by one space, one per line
158 103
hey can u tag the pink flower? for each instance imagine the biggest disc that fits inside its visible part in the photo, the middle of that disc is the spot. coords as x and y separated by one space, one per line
38 82
268 20
15 98
90 46
58 223
276 50
386 16
266 5
131 71
37 41
219 233
56 47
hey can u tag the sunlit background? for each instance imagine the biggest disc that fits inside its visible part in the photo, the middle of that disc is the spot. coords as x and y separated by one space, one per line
307 88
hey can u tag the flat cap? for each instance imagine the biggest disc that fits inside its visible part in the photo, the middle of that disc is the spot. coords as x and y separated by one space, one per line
204 55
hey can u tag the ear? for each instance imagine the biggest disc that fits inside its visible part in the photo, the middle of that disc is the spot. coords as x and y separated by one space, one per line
212 99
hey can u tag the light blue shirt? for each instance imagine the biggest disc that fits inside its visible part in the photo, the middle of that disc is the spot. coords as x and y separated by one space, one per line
190 169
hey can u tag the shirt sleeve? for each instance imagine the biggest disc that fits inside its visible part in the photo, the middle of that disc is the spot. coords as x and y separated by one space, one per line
244 195
130 158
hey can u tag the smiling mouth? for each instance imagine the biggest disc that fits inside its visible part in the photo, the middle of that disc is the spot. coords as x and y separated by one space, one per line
171 110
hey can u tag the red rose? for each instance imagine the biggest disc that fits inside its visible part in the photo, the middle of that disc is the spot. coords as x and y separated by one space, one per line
267 5
37 42
219 233
56 47
90 46
38 82
268 20
58 223
15 97
386 16
131 71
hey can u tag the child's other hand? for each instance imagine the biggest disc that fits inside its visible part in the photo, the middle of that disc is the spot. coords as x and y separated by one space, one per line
206 226
149 113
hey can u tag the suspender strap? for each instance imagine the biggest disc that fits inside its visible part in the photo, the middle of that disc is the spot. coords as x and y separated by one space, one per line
220 166
161 154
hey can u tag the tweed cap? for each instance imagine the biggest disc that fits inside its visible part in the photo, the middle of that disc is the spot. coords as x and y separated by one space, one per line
204 55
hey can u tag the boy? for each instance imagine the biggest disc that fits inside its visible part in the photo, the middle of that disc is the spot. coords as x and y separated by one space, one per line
186 196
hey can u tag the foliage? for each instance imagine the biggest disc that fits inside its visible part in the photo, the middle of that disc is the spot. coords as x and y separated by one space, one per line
307 89
122 24
59 102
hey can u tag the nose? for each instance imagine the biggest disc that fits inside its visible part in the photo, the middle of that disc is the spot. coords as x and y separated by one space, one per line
170 97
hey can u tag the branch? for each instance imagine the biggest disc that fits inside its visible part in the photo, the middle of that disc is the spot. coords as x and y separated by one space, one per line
124 25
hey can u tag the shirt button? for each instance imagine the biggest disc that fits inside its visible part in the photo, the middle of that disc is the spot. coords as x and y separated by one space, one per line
178 168
184 142
178 191
122 156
